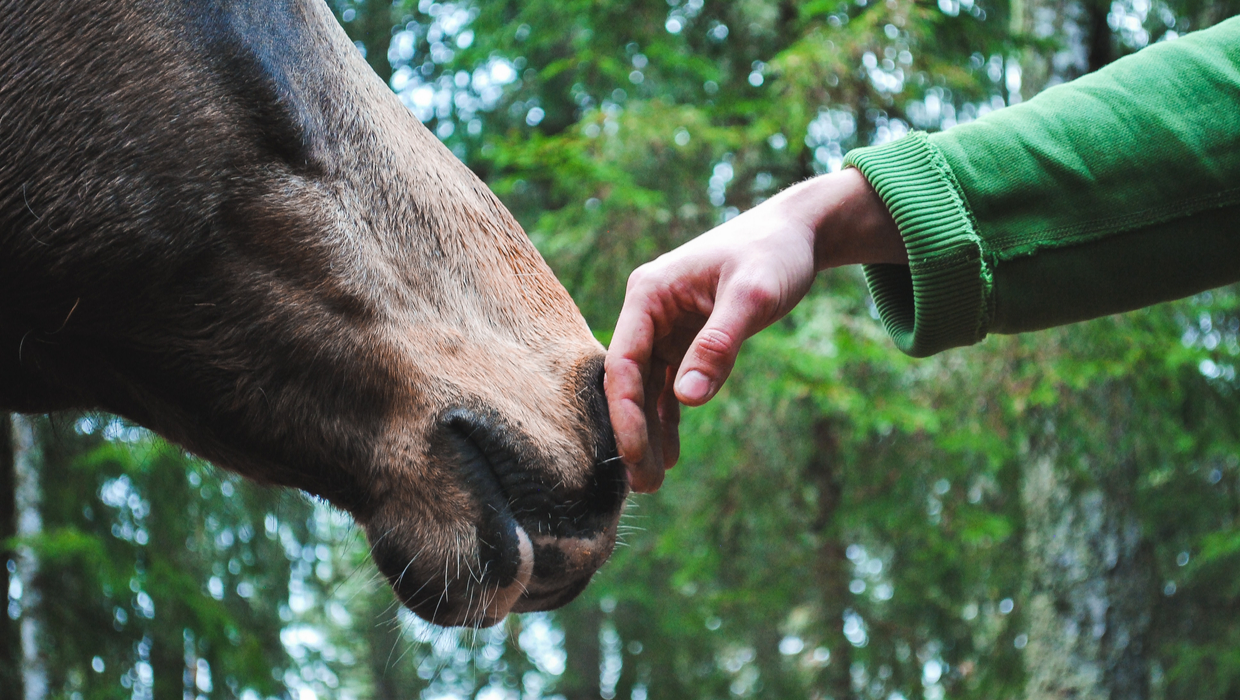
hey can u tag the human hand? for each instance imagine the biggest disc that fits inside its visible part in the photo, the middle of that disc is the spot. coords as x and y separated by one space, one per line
687 313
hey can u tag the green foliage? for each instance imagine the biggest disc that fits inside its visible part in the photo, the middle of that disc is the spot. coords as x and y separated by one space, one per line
170 566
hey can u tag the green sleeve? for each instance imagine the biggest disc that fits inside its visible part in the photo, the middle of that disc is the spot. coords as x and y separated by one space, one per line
1118 190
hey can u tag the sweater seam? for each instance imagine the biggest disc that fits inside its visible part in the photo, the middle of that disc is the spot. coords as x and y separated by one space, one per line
947 260
1011 246
985 271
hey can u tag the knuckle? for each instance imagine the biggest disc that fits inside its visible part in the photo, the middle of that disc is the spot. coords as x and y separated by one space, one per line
620 377
759 293
641 276
612 371
715 344
613 365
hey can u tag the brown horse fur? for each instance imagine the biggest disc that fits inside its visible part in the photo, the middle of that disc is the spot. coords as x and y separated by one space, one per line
216 221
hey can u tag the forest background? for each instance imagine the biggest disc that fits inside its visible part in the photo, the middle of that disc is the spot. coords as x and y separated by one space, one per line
1051 515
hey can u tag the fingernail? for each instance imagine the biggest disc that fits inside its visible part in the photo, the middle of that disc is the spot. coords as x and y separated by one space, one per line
694 386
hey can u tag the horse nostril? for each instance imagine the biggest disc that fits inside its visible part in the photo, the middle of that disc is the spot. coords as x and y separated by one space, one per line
483 463
599 417
468 432
600 380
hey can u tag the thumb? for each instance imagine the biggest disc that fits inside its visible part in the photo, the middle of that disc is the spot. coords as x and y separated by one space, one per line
706 365
744 306
738 314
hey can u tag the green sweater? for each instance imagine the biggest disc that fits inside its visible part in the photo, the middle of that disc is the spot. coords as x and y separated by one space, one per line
1118 190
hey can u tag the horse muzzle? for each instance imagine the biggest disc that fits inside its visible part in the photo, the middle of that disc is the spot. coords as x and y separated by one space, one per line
504 528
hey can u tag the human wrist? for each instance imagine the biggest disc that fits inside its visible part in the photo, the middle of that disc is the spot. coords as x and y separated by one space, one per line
849 220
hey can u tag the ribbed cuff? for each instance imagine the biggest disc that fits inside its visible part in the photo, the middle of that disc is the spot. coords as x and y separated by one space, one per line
942 299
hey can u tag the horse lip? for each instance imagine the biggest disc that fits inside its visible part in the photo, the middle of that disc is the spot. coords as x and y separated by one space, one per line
537 601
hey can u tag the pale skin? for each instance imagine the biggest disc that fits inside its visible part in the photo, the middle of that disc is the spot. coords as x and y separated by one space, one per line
687 313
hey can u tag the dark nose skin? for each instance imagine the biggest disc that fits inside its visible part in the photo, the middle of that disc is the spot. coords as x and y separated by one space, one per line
610 485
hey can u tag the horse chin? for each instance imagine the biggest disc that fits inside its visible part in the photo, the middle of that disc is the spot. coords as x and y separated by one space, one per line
552 572
474 584
562 568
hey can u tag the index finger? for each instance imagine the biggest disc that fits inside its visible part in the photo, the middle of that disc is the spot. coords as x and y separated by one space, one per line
628 370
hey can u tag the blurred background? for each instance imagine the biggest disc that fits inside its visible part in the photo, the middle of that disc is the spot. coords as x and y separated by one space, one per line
1042 516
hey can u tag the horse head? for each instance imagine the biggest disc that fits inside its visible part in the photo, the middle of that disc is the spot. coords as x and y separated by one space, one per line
217 221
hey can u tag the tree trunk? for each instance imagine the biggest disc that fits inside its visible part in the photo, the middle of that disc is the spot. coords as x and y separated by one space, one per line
1081 40
831 564
29 524
1090 573
581 642
376 20
10 630
1091 582
393 672
1101 42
